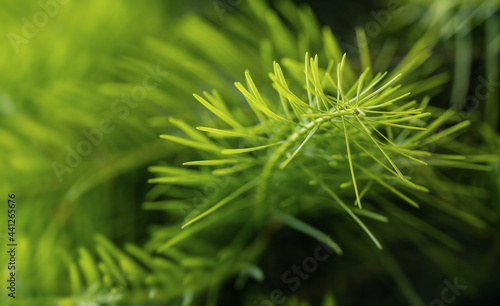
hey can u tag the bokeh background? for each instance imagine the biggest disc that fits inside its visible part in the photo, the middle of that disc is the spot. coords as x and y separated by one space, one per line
68 74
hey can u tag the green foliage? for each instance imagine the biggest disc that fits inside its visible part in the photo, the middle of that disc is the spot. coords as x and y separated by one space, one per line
351 152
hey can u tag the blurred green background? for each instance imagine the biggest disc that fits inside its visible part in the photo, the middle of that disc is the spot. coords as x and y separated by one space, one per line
66 67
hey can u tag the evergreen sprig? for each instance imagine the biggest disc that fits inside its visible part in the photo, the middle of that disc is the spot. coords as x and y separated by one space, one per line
344 128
